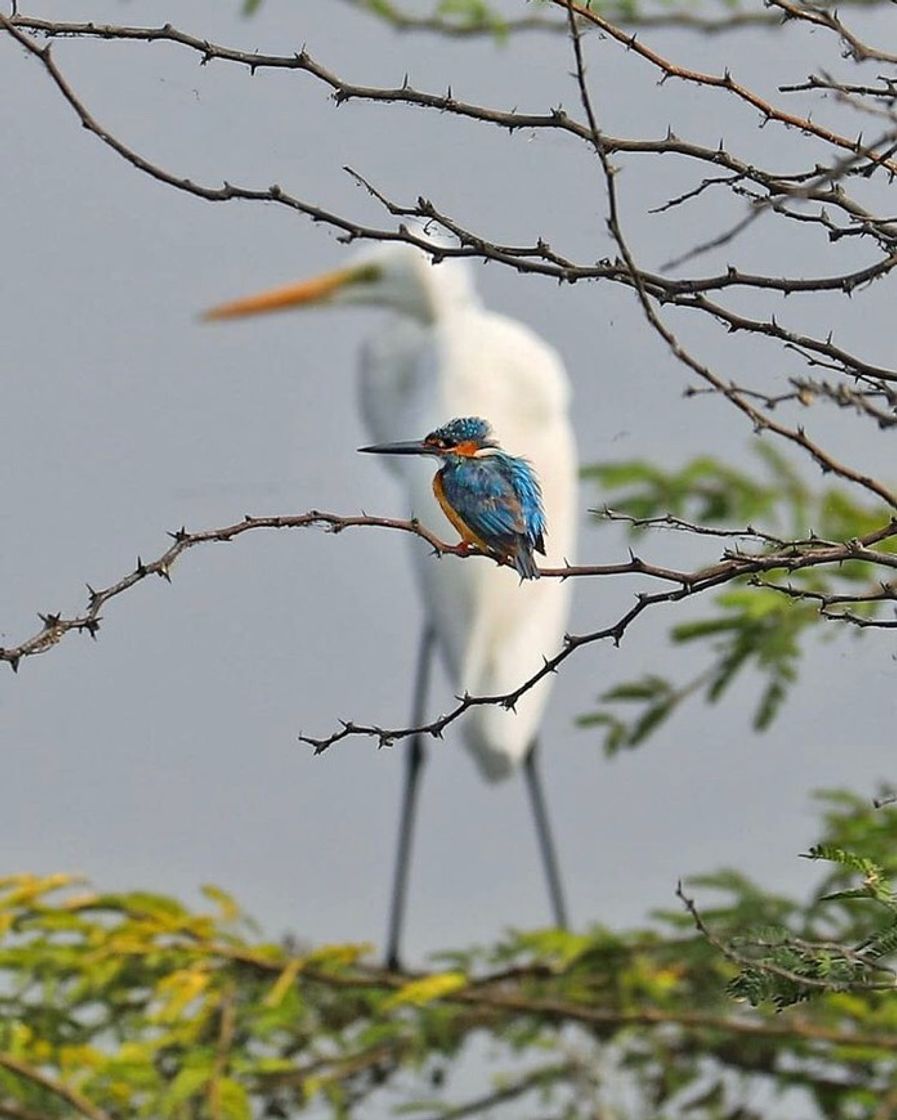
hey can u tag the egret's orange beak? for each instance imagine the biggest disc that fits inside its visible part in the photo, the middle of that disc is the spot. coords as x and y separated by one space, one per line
317 290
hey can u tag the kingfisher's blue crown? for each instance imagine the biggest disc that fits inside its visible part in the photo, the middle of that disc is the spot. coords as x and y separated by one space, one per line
466 429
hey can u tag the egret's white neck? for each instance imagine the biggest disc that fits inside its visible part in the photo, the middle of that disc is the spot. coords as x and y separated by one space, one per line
444 288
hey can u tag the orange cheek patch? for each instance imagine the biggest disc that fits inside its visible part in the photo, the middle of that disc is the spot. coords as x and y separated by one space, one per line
469 448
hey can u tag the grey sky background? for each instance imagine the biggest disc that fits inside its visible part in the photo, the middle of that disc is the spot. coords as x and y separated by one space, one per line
165 755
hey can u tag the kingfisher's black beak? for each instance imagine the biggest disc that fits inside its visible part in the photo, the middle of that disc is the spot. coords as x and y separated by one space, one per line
409 447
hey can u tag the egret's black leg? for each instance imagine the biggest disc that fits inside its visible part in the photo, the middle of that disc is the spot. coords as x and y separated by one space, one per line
546 843
414 761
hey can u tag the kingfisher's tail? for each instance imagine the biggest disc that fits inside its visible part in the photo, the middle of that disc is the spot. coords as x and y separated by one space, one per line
524 561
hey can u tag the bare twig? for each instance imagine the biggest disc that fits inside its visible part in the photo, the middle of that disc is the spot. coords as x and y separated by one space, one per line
536 1079
668 521
828 603
57 1088
828 17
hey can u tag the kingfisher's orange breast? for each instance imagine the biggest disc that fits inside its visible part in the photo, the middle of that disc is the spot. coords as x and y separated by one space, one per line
466 533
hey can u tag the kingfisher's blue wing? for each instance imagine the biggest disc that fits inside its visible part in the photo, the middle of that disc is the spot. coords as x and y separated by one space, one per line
498 497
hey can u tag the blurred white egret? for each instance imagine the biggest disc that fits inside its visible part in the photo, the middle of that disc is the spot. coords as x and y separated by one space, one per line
441 354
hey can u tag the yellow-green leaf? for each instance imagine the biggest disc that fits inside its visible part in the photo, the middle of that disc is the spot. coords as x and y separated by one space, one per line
230 911
284 982
420 992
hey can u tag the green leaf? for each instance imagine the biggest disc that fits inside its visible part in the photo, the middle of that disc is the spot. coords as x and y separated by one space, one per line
883 944
230 911
650 720
233 1100
645 689
770 703
703 628
189 1082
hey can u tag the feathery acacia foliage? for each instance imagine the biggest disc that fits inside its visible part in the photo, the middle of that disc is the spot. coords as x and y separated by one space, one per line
759 620
134 1004
482 17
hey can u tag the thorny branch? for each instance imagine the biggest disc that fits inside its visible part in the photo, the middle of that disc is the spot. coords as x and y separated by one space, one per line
807 390
55 626
795 556
789 557
829 19
760 420
539 258
557 119
814 196
882 593
668 521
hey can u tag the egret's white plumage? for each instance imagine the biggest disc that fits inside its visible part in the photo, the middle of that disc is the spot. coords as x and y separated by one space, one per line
441 354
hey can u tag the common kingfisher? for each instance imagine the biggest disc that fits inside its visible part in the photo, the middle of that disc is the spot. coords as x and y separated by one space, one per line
492 498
